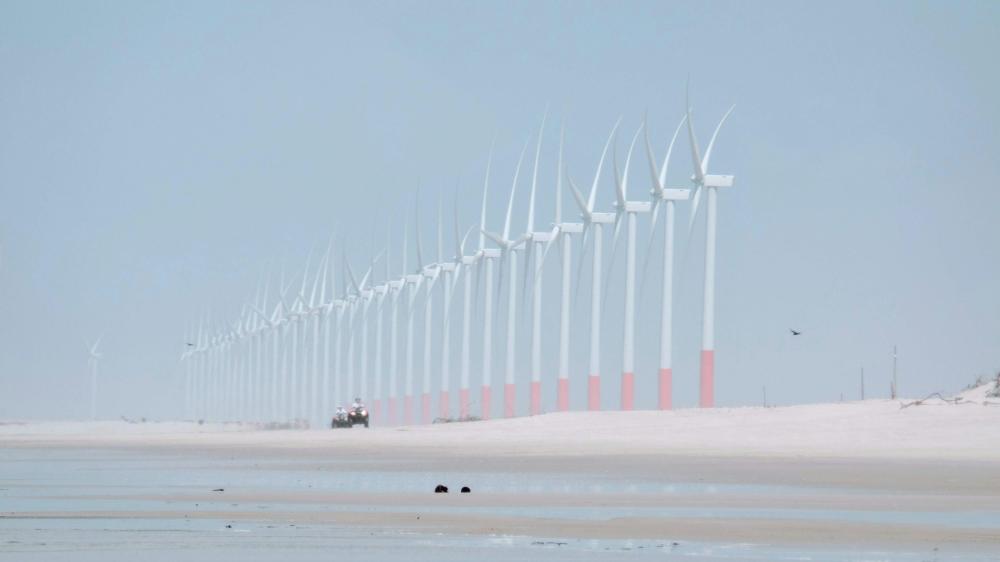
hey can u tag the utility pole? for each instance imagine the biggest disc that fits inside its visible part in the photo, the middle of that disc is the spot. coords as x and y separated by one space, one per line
895 389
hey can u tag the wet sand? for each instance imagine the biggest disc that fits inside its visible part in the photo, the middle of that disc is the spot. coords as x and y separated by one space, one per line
902 502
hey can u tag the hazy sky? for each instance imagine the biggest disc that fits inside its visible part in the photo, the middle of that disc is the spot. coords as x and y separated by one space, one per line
157 158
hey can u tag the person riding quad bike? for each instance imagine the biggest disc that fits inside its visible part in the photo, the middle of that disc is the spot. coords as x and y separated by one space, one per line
358 413
340 418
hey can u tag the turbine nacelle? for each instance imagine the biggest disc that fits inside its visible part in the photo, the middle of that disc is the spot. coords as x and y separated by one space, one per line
675 194
638 206
491 253
543 236
717 180
571 227
602 218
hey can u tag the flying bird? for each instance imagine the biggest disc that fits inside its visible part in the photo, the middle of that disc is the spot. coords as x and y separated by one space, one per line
794 333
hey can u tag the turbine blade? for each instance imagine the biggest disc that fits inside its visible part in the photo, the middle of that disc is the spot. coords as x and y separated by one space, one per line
495 238
486 186
711 143
694 208
416 229
628 163
657 182
649 246
459 242
534 173
559 173
670 149
600 165
619 191
555 234
529 247
578 197
579 267
513 189
699 172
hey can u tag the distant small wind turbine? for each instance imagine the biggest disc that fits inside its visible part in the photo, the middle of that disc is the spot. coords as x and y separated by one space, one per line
94 357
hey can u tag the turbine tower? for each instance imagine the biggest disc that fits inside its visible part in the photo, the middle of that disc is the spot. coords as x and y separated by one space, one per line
667 197
93 358
710 183
597 221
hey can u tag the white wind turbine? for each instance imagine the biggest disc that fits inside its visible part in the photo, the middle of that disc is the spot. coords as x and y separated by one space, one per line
597 221
430 273
467 262
667 197
451 270
316 313
413 281
381 293
456 266
93 358
359 297
395 289
489 255
562 232
710 183
326 314
630 209
508 254
447 271
535 240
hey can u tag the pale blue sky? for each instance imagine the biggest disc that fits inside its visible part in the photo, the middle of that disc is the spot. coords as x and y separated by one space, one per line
156 157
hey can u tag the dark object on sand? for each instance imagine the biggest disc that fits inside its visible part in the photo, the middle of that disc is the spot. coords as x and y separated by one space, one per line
441 489
466 490
219 490
357 416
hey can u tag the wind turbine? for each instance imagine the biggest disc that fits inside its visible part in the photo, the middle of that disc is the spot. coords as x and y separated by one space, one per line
508 254
93 359
489 255
327 312
448 270
430 273
667 197
535 240
597 221
381 293
316 314
630 209
413 285
457 263
710 183
562 232
395 289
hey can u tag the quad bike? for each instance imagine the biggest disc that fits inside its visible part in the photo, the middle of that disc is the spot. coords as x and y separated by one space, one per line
340 420
358 415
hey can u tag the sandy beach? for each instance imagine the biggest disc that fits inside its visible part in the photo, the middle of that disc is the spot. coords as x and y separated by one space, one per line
868 480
